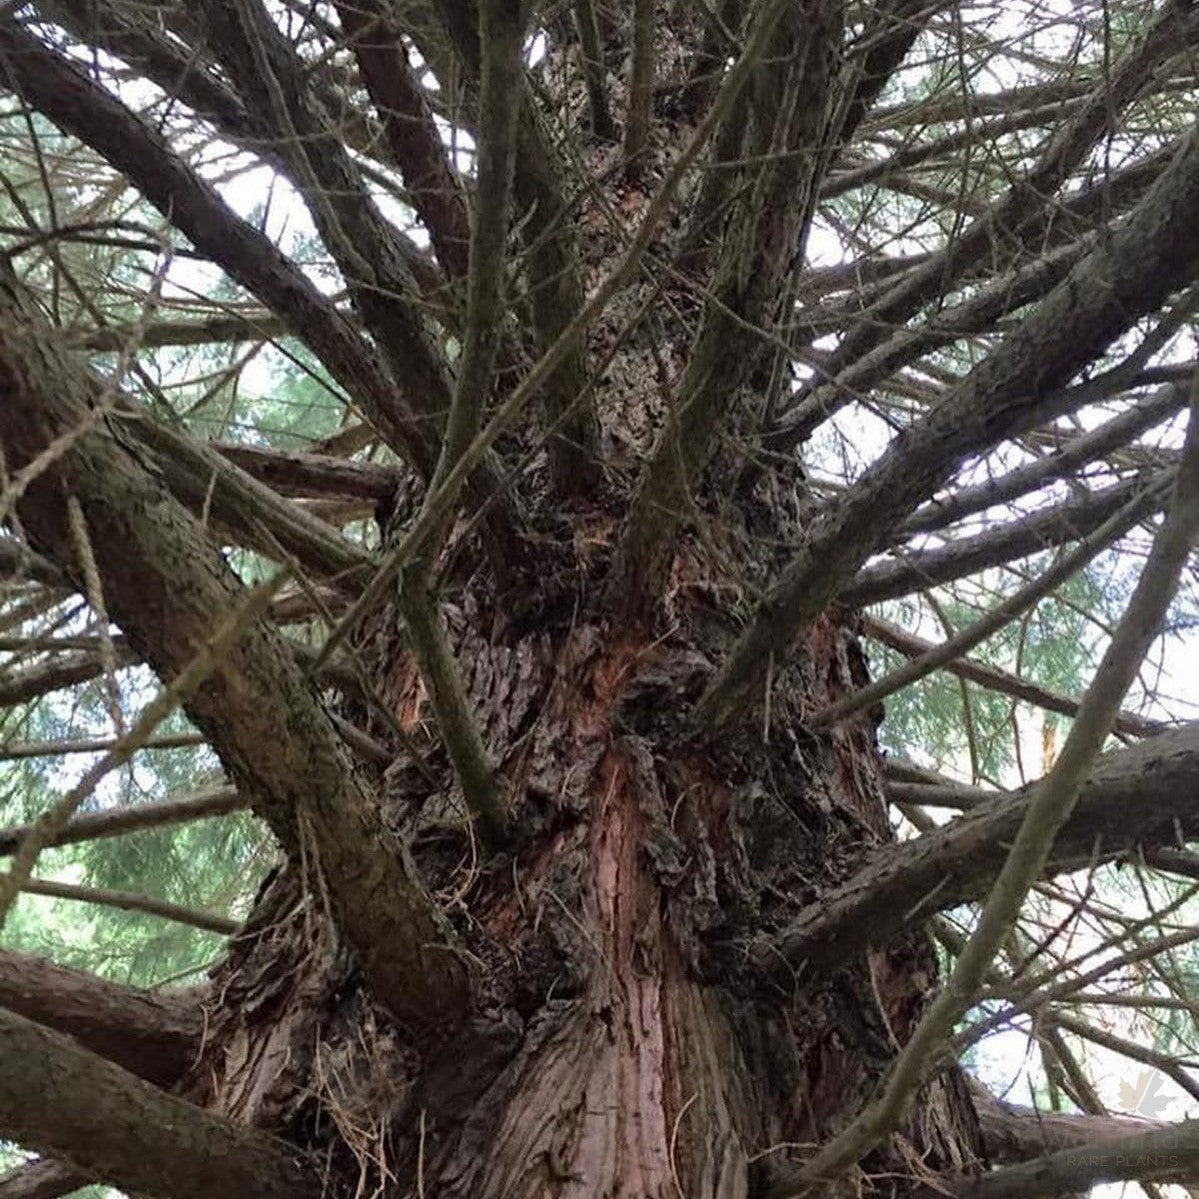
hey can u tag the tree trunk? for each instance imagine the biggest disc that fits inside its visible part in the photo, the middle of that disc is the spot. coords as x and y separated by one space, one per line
624 1046
622 1039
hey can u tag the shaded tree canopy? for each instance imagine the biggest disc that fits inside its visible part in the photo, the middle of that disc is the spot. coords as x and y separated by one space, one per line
598 599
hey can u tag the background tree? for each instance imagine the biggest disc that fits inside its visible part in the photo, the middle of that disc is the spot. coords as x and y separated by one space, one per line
456 458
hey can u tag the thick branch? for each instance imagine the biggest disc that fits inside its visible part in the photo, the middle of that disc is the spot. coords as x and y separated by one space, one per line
893 31
168 587
592 54
903 884
1114 434
501 34
67 1103
640 87
1165 1153
153 1034
41 1179
412 135
957 558
63 670
1014 1133
261 326
319 476
211 485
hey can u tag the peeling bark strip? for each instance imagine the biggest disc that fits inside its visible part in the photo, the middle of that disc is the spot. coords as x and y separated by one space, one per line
167 587
65 1102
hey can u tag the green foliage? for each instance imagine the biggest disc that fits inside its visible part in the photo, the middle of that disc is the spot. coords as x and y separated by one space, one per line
272 397
967 730
211 865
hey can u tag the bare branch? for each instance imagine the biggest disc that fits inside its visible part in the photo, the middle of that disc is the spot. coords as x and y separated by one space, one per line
591 41
1120 431
902 884
1024 201
501 35
770 226
166 586
640 86
1014 1133
321 476
1131 273
455 721
60 90
927 656
130 818
951 652
210 484
64 670
1004 543
131 901
411 132
224 328
1049 807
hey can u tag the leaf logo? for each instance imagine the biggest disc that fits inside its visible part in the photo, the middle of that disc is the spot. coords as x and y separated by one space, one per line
1144 1098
